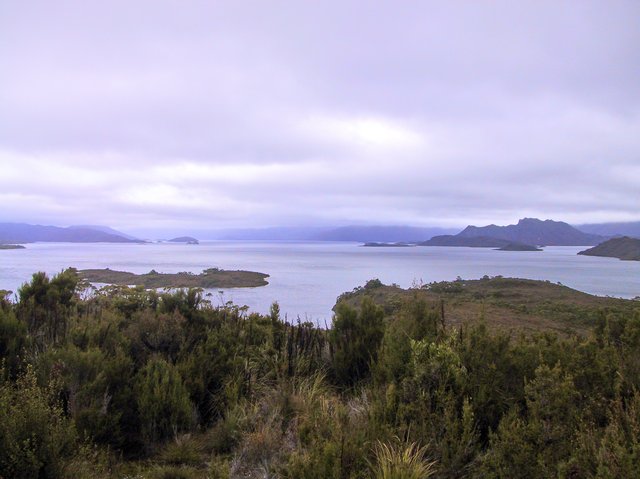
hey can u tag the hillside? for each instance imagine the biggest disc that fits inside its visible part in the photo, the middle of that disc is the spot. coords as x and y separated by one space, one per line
624 248
505 303
26 233
533 231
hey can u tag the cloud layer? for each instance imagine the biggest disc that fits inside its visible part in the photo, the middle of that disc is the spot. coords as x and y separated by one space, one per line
200 114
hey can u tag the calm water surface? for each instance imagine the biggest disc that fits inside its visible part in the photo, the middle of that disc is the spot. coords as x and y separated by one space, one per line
307 277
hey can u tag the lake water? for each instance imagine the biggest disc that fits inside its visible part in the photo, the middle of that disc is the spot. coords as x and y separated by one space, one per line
307 277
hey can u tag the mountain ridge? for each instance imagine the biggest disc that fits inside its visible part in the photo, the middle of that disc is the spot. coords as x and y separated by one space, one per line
532 231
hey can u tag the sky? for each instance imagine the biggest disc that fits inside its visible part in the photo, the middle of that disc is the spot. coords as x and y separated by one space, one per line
184 115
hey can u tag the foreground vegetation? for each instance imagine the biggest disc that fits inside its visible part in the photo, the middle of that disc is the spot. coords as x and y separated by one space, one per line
124 382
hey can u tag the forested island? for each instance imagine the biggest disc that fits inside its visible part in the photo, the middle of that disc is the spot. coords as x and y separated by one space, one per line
184 239
11 246
518 247
208 279
496 377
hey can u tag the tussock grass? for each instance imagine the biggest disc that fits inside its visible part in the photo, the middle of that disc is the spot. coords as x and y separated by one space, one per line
398 460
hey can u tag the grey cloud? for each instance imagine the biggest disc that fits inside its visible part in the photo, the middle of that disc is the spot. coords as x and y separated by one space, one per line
251 114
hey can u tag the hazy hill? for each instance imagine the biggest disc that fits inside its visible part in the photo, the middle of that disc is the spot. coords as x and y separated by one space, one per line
25 233
386 234
535 232
104 229
361 234
612 229
622 248
276 233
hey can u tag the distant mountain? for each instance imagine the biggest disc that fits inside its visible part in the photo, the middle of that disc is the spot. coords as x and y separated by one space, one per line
361 234
533 231
104 229
471 242
622 248
613 229
25 233
385 234
276 233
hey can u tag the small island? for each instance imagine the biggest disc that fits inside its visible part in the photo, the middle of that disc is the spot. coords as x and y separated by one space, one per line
398 244
208 279
518 247
184 239
11 246
624 248
463 241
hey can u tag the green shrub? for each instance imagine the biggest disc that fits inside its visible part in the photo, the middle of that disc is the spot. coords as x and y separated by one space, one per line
35 436
163 401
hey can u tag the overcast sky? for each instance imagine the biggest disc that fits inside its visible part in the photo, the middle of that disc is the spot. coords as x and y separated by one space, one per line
184 114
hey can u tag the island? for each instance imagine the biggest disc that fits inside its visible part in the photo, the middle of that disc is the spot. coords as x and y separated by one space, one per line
399 244
518 247
11 246
184 239
472 242
208 279
624 248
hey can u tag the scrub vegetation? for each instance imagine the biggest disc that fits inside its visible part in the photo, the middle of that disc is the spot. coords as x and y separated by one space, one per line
125 382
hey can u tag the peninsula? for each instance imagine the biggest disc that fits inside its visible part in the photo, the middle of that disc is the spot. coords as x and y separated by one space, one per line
624 248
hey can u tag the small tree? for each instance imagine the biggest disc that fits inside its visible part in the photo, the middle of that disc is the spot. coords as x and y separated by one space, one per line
355 340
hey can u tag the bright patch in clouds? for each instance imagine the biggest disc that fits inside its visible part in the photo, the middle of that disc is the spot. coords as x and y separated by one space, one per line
369 133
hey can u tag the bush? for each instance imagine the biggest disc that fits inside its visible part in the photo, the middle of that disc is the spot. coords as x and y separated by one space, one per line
35 436
163 401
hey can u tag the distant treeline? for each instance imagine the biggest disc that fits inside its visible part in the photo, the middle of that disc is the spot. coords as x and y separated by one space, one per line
125 382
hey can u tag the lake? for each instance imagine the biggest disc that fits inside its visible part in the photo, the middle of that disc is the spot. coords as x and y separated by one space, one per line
307 277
